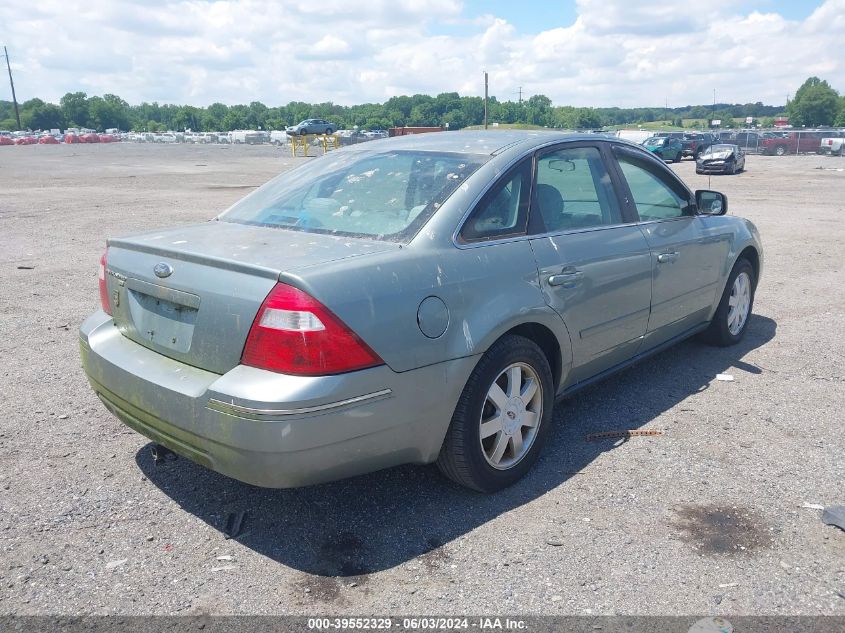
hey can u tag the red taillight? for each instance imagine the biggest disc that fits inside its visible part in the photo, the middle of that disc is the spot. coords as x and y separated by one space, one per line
104 290
293 333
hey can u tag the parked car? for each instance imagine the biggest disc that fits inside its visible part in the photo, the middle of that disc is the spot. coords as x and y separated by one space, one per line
664 147
47 139
695 143
722 158
90 137
72 138
792 143
6 140
418 299
26 140
834 144
278 137
312 126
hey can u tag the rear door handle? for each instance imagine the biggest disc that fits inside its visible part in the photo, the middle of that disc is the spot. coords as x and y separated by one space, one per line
665 258
567 279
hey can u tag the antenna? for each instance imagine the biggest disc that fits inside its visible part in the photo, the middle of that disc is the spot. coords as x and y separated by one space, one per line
485 99
12 83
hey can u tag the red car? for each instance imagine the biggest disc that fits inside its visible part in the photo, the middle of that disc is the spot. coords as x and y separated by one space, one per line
5 140
72 138
25 140
89 138
48 140
108 138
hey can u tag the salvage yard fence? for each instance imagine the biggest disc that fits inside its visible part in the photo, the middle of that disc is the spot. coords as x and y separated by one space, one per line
778 141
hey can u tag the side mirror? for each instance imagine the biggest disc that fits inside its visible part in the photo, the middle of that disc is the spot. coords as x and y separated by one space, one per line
711 202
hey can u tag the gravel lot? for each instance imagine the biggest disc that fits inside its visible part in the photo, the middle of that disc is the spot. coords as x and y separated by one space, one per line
704 519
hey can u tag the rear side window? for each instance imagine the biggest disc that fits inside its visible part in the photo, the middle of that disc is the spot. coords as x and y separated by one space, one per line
503 211
574 191
378 195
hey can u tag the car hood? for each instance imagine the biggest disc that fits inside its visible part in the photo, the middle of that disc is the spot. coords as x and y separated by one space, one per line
717 155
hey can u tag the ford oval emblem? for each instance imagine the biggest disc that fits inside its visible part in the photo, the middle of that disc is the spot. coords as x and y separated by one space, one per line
163 270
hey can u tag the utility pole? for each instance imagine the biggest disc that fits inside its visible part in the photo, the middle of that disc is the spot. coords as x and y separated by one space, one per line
520 95
485 99
713 116
12 83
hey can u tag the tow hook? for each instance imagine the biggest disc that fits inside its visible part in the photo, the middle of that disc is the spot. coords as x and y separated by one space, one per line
161 453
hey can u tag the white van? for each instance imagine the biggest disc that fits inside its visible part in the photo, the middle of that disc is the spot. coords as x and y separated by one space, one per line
635 136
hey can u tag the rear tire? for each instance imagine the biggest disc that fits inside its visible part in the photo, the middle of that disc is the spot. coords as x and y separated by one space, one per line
734 312
677 158
502 417
780 150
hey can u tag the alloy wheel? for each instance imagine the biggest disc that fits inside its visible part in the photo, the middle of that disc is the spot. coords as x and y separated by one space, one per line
739 303
511 416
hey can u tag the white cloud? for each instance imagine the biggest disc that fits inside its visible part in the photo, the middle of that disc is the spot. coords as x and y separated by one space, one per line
236 51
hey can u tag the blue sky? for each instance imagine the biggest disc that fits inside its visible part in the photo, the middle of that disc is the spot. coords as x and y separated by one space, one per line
533 16
579 52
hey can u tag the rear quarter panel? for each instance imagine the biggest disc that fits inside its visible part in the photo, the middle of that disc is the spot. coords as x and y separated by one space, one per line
487 290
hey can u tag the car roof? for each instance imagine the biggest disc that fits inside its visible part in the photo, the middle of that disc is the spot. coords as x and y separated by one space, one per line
485 142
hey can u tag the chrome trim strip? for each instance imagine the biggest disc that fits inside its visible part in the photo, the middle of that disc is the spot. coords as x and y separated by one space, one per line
256 413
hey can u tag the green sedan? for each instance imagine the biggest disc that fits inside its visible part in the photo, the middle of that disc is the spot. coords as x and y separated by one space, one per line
667 148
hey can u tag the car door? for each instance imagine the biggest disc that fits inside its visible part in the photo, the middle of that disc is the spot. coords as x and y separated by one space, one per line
687 251
593 260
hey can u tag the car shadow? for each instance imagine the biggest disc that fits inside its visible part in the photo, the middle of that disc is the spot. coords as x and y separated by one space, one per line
373 522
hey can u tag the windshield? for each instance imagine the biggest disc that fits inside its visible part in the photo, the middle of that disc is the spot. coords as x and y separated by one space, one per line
377 195
720 148
655 141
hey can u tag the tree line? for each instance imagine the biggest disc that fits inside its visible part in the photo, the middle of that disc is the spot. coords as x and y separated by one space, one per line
815 103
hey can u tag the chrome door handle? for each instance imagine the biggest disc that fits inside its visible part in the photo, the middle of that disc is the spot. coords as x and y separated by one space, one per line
665 258
566 279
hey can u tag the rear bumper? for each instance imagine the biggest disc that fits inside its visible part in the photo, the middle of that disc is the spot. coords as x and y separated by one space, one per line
270 429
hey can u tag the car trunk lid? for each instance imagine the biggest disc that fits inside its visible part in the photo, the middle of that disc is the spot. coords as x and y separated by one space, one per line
192 293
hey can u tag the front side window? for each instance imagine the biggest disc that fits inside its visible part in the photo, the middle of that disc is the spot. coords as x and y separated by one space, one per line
377 195
654 197
574 191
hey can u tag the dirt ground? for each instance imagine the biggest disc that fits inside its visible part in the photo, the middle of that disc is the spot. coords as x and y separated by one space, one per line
706 518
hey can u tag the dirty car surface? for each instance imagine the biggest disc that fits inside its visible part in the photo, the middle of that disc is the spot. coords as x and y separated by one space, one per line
412 300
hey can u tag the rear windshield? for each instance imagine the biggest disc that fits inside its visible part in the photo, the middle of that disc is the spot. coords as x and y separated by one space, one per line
377 195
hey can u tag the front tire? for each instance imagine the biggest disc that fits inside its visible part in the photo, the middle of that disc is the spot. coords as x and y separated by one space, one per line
734 312
780 150
502 417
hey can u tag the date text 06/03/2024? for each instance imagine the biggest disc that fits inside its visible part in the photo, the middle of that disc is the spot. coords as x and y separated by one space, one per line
417 623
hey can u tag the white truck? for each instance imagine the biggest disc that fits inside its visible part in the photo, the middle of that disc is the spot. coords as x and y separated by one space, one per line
250 137
833 145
